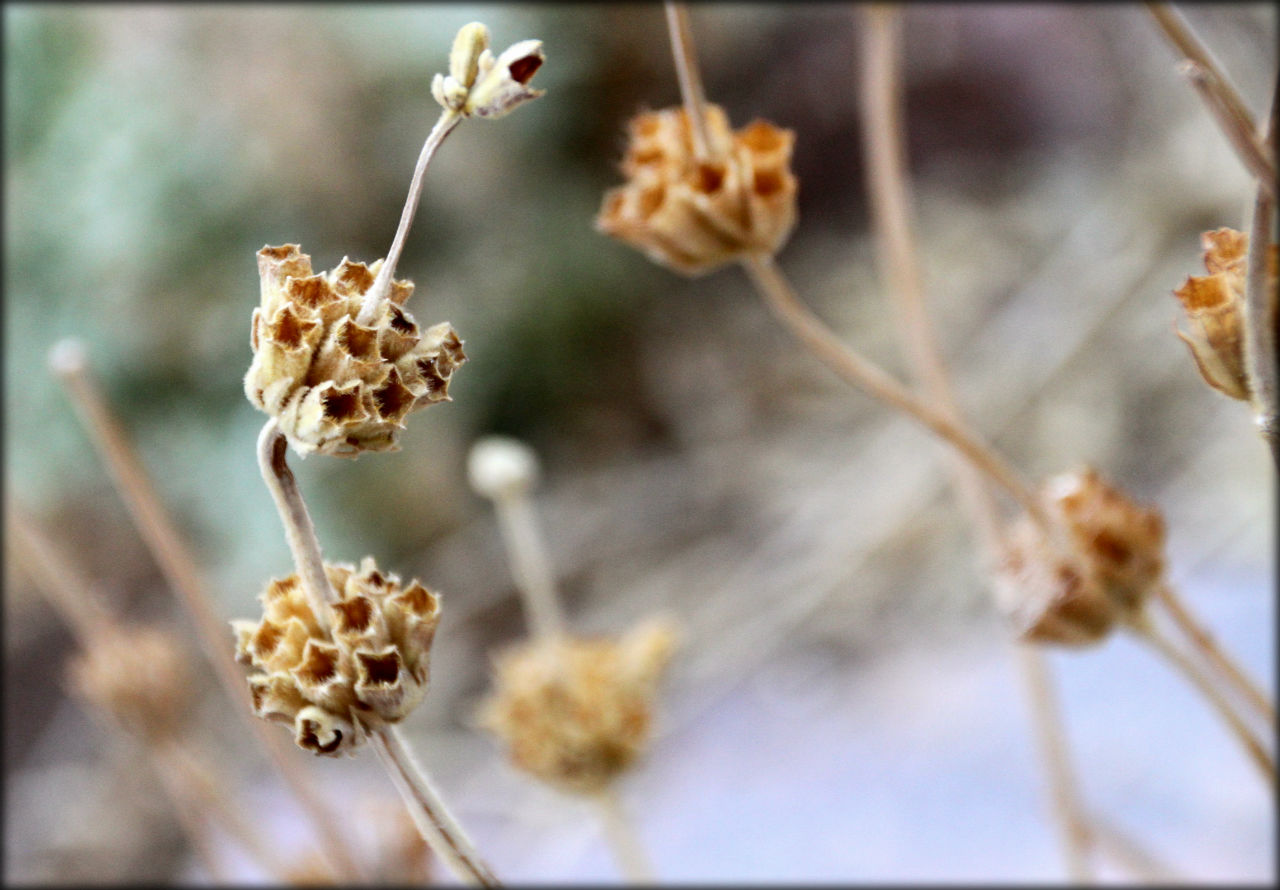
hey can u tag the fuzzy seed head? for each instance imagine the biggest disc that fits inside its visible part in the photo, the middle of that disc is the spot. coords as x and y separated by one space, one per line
695 215
139 676
1214 310
369 668
1100 570
499 467
336 386
576 713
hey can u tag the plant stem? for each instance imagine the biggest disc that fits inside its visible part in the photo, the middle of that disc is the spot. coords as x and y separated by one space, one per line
869 377
158 530
621 834
1074 829
1261 313
530 566
889 189
381 286
428 811
1219 94
1204 642
298 528
1192 672
689 74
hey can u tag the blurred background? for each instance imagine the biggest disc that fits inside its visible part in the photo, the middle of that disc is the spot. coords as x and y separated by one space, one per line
845 705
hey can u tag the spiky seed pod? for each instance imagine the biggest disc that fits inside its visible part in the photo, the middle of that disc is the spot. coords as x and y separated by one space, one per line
479 85
1099 571
1214 307
336 386
369 669
694 215
577 712
137 675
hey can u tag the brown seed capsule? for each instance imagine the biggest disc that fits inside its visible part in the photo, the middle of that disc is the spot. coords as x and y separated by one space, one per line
577 712
137 675
371 667
1107 558
336 386
694 215
1214 306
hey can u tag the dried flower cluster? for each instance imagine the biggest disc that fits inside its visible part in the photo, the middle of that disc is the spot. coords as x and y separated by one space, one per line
336 386
1214 306
575 713
369 667
696 214
1100 572
139 676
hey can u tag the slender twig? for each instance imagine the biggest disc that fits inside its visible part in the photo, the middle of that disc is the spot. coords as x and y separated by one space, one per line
298 528
158 530
66 589
889 190
689 73
869 377
428 811
530 566
1208 647
1150 634
1261 312
1219 94
381 286
429 814
621 834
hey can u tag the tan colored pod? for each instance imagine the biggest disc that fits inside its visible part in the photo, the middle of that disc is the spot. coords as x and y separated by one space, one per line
577 712
139 676
1096 570
369 668
694 214
336 386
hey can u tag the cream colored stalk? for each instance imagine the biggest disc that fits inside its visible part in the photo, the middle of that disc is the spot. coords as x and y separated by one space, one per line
504 471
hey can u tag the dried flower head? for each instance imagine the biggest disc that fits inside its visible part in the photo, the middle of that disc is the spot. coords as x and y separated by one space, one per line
478 85
695 214
499 467
370 668
1214 306
138 675
336 386
577 712
1099 571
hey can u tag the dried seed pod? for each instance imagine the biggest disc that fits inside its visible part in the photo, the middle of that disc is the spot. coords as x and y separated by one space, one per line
336 386
575 713
694 215
137 675
1214 307
1099 571
371 667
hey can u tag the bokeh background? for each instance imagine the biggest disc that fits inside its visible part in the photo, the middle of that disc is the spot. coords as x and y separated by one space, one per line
844 706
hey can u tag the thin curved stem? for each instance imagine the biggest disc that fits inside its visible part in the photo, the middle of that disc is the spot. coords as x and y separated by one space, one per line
1219 94
298 528
159 532
381 286
430 815
621 834
1193 674
530 566
1208 647
1261 312
877 383
689 74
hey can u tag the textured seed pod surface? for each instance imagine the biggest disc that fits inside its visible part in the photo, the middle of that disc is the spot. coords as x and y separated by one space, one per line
576 712
369 667
694 214
334 385
139 676
1108 559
